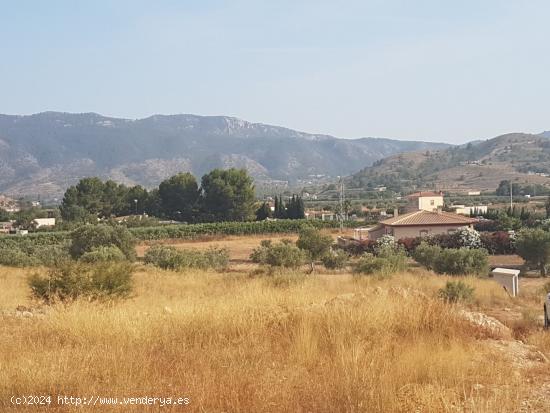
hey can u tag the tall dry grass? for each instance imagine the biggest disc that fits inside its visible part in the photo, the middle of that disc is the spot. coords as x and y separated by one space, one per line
236 343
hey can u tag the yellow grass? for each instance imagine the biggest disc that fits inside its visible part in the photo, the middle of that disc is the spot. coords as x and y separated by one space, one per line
240 343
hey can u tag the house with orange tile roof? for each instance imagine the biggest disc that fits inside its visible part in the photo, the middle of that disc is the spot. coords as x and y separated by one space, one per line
420 223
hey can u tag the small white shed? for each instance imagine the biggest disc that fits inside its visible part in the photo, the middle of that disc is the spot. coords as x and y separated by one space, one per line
508 278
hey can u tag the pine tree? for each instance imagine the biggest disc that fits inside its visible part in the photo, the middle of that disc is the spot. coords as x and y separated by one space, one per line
276 209
300 208
263 212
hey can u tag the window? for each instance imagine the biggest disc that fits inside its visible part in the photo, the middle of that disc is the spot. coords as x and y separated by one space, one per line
423 233
432 202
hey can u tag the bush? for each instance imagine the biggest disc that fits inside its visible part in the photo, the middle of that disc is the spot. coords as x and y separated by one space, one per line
360 247
385 241
162 256
89 237
73 280
335 260
27 254
456 291
103 254
461 261
14 257
314 244
468 237
281 254
259 255
444 240
387 262
452 261
216 258
410 244
498 243
427 255
169 258
533 245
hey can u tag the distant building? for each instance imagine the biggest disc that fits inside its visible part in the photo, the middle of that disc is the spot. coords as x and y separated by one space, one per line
43 222
6 227
420 223
425 201
474 193
469 210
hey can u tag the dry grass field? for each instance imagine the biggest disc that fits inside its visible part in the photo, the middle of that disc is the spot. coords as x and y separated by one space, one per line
241 341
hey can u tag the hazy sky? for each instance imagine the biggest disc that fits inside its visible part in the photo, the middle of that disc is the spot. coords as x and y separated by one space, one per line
444 70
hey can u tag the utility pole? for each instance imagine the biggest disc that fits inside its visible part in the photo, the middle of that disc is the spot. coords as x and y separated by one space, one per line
342 202
511 197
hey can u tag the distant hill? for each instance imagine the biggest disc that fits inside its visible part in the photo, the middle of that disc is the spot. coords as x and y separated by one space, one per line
46 152
476 166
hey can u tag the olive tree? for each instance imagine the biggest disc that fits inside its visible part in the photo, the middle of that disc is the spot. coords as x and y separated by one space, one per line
533 245
314 243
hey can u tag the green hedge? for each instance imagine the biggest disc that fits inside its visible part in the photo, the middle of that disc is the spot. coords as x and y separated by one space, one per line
183 231
229 228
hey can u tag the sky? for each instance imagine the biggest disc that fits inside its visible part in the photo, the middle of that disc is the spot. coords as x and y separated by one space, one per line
437 70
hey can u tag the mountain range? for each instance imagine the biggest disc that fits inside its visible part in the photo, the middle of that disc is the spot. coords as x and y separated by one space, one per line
479 165
44 153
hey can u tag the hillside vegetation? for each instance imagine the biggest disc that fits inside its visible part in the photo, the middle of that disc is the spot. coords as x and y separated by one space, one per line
476 166
47 152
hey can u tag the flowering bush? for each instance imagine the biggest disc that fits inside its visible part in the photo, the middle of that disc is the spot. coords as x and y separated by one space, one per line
385 242
468 237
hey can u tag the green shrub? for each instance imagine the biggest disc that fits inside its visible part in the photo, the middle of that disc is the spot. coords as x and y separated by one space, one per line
533 245
101 254
461 261
335 260
27 254
452 261
89 237
72 280
170 258
13 256
216 258
426 254
163 256
259 254
50 255
455 291
314 243
282 254
387 262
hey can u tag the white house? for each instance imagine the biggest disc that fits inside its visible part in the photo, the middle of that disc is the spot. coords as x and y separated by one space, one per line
43 222
424 201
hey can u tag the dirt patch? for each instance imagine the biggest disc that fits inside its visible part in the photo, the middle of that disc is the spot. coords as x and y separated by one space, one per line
504 260
239 248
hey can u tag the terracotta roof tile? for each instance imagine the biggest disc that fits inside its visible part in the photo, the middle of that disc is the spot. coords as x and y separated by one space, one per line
422 217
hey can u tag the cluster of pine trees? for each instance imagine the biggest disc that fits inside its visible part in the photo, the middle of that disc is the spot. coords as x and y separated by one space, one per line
223 195
292 209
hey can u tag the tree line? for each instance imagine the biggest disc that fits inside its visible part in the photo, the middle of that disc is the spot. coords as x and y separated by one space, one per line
223 195
292 209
